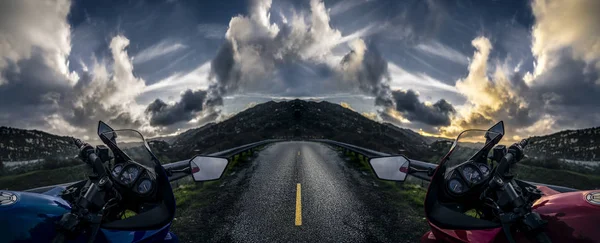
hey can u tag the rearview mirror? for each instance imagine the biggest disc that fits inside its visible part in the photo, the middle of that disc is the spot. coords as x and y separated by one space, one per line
205 168
106 131
495 131
393 168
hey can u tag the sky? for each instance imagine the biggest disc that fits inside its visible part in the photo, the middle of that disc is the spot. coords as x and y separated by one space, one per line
437 67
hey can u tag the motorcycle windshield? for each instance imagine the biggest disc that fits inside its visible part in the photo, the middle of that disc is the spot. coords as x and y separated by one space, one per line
131 145
470 145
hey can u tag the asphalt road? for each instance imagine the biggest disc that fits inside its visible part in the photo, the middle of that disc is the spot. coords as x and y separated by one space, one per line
300 192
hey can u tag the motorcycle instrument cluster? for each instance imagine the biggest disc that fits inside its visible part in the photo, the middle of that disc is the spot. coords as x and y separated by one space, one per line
117 170
144 186
485 170
128 174
465 176
456 186
471 174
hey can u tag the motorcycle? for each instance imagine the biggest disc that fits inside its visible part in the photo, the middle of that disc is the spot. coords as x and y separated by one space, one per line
473 196
128 197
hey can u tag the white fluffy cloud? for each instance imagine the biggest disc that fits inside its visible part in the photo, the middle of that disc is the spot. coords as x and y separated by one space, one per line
565 24
260 55
561 92
489 97
35 46
26 25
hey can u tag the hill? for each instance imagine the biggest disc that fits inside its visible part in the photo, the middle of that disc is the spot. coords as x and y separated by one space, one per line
571 146
29 145
299 119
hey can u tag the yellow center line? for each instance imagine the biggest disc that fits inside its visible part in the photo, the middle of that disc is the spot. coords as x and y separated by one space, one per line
298 152
298 205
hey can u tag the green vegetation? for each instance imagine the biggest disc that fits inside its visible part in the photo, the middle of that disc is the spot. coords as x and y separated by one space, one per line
406 194
557 177
41 178
56 172
188 196
556 164
1 167
194 195
358 160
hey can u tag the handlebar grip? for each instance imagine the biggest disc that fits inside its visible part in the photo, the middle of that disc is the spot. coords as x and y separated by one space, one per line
523 143
92 159
77 142
97 164
505 163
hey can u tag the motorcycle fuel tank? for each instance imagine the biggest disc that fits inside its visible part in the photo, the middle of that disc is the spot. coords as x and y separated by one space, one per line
572 216
29 217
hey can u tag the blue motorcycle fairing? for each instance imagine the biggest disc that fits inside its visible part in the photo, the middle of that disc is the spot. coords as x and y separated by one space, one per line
55 192
32 217
136 236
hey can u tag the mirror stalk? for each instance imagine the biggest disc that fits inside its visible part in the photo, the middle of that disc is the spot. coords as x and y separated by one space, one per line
186 170
429 171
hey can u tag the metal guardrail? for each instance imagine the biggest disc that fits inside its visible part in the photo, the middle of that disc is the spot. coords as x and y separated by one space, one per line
420 164
177 165
364 151
372 154
226 153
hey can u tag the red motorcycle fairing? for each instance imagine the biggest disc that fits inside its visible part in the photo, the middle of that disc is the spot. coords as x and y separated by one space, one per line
571 218
460 236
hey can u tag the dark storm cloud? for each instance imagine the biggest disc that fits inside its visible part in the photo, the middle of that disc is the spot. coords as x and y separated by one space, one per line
408 104
38 90
370 70
162 114
570 91
33 90
222 69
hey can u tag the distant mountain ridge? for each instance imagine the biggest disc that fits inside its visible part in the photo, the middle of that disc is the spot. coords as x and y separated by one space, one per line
296 119
578 145
24 145
299 119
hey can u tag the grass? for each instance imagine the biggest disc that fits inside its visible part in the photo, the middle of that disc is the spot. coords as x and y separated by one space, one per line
405 194
191 196
41 178
186 195
557 177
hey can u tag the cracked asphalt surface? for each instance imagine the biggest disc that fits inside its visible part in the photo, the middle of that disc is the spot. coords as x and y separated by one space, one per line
257 202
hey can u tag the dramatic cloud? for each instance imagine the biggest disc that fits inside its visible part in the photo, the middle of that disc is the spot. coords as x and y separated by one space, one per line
408 58
297 55
36 76
255 50
408 104
564 24
490 99
367 68
23 35
563 90
104 95
162 114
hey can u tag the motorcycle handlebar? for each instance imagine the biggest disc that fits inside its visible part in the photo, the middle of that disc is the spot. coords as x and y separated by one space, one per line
78 143
523 143
515 153
89 156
